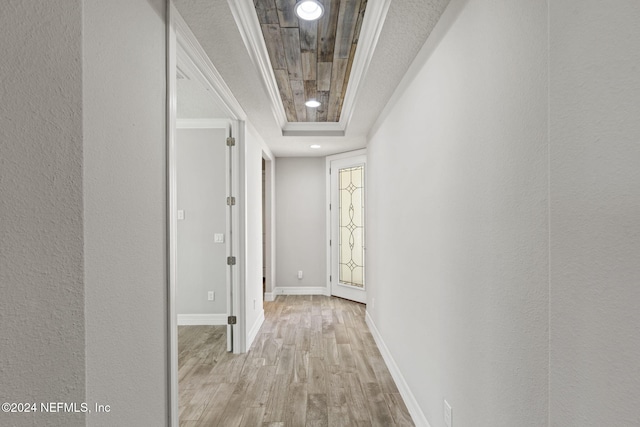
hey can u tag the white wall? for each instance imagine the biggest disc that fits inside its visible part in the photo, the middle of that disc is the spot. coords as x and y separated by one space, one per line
201 193
457 221
300 221
595 213
125 210
42 344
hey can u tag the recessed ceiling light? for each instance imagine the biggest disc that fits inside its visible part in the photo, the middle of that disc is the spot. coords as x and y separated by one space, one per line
316 146
309 10
312 103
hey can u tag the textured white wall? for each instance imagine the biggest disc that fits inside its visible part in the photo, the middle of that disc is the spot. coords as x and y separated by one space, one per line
595 213
195 102
125 210
457 221
201 192
300 221
41 220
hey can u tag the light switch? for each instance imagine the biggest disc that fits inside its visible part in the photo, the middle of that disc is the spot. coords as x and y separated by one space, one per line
180 214
218 238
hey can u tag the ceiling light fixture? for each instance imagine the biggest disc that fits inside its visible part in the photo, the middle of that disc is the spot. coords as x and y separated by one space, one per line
315 146
312 103
309 10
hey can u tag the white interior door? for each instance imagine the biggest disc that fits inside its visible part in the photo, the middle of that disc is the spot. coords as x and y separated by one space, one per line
348 179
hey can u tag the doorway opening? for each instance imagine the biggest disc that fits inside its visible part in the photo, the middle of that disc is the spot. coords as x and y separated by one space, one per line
267 228
205 136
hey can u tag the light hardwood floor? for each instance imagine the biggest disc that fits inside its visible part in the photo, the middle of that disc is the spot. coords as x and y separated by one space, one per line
314 363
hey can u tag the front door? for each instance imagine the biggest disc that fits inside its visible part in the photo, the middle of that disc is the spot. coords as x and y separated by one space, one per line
348 177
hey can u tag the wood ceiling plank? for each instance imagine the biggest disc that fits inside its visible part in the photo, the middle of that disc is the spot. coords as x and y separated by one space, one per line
311 92
347 19
337 81
267 12
282 78
356 31
291 44
310 89
327 30
324 76
309 66
286 14
273 40
297 88
312 114
323 109
308 36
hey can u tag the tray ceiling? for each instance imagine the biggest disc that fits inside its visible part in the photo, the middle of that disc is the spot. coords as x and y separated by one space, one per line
300 60
311 59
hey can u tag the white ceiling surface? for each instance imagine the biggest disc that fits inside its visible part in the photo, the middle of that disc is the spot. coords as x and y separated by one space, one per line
406 28
196 102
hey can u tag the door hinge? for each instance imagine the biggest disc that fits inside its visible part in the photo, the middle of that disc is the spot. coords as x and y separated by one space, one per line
231 260
232 320
330 279
231 201
231 141
329 206
329 242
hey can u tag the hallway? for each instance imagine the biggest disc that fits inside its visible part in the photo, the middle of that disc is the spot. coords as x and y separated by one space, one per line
313 363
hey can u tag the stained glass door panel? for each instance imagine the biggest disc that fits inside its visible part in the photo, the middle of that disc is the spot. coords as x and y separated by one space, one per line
351 225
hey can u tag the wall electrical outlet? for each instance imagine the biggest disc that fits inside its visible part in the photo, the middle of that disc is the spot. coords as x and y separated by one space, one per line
300 274
447 413
180 214
211 296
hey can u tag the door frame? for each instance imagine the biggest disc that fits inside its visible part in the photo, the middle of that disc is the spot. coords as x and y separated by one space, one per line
329 159
184 50
228 126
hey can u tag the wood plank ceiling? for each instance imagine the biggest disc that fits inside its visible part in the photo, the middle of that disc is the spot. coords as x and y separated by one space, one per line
311 59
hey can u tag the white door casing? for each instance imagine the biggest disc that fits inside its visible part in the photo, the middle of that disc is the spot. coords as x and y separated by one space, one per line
350 237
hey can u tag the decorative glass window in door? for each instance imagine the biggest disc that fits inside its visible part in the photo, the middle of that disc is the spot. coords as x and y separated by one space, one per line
351 224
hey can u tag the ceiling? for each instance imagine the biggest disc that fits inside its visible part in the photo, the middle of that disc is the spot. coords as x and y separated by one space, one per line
194 101
311 60
406 27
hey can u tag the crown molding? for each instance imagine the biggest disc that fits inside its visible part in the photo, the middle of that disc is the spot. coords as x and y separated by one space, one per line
313 128
247 21
372 24
193 61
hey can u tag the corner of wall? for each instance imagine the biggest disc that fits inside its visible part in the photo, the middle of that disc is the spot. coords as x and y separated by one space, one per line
407 395
253 332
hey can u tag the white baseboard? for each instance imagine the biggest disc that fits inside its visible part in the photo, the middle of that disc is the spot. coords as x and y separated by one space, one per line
301 290
202 319
253 332
269 296
418 416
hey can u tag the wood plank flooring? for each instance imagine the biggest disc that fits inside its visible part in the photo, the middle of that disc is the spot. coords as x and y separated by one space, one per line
314 363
